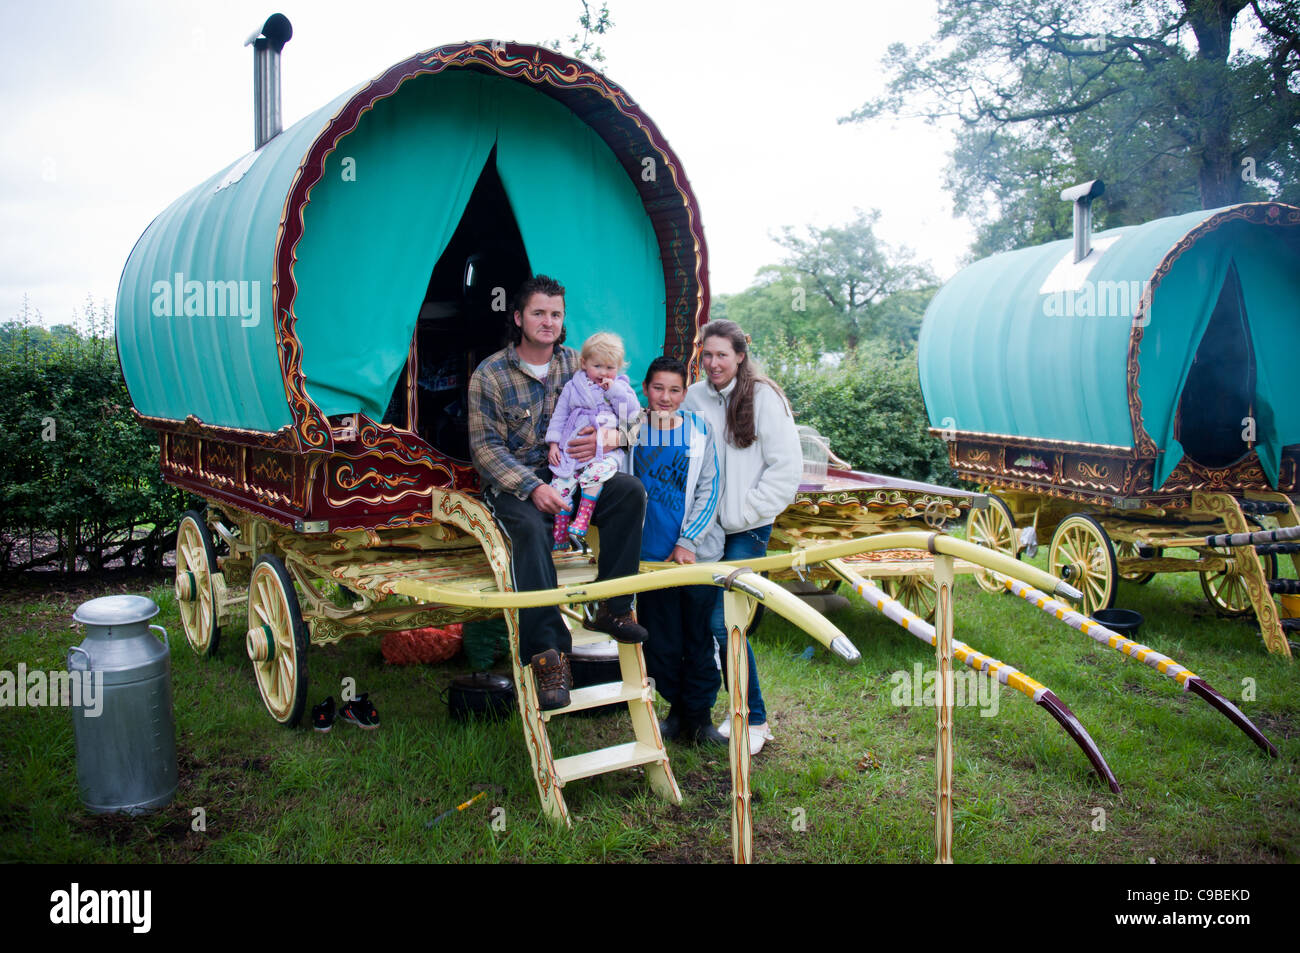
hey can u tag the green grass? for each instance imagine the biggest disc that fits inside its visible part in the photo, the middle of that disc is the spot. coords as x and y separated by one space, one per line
1195 789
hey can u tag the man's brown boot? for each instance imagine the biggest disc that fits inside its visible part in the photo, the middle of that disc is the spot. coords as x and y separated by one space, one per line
621 628
551 669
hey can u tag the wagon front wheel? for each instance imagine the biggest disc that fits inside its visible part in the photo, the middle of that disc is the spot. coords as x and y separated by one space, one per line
277 641
196 561
1083 556
918 594
993 526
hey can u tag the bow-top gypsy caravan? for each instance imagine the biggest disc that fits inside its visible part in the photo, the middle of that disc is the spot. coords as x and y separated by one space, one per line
300 330
1130 392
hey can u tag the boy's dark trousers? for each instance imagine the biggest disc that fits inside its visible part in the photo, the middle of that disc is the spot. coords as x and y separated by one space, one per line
679 653
619 513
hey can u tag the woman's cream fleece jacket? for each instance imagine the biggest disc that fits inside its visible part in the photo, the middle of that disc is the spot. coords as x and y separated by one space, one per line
761 480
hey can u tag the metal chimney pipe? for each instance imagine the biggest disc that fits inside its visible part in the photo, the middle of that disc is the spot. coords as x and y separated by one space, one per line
267 42
1082 196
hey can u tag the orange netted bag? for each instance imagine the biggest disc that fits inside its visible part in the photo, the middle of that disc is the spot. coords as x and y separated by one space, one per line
425 646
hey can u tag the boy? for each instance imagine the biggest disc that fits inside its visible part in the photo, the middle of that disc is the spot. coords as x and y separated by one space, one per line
676 460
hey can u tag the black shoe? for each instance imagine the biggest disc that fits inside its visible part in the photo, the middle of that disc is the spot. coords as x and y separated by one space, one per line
670 729
322 715
361 712
699 730
621 628
551 669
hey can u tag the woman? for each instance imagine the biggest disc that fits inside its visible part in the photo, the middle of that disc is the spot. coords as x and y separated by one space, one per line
760 462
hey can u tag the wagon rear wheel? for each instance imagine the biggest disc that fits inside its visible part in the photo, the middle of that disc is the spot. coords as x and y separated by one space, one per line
1083 556
196 561
1127 549
277 641
993 526
918 594
1226 590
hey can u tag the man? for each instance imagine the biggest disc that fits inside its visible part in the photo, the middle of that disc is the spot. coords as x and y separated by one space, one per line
511 397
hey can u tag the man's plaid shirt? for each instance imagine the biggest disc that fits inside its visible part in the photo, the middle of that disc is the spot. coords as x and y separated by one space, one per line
509 411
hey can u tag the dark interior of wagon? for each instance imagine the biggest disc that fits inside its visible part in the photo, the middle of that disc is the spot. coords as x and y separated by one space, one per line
1219 392
463 317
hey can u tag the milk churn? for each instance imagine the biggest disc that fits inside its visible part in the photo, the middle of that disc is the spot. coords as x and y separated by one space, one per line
126 741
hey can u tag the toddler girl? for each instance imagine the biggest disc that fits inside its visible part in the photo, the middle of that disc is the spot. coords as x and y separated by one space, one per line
597 396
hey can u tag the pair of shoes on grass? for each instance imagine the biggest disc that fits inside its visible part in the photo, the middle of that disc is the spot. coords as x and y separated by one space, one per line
360 712
759 735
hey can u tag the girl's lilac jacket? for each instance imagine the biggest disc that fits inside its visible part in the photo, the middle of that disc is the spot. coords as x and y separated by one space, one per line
583 404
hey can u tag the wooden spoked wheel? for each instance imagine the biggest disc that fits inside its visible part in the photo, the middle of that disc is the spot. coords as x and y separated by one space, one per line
918 594
1227 590
277 641
1127 549
1082 555
196 561
993 526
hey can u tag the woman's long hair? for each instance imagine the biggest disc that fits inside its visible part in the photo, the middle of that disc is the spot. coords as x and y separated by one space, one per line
740 409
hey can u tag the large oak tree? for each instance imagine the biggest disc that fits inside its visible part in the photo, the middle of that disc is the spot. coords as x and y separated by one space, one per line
1176 104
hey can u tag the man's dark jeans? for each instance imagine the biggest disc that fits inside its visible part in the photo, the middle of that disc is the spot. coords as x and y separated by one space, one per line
619 512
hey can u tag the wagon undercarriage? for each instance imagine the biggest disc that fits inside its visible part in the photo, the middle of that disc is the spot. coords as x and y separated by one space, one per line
1095 547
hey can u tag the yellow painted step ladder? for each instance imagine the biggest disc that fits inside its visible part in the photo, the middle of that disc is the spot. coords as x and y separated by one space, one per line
646 749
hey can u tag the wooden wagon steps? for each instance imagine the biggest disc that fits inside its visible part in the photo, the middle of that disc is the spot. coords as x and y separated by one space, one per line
634 689
380 572
1233 512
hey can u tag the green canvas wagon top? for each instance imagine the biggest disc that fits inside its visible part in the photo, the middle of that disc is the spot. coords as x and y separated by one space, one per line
285 289
331 292
1169 350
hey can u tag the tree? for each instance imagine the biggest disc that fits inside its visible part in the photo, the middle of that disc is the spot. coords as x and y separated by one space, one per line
852 271
584 47
79 478
776 310
869 408
1175 104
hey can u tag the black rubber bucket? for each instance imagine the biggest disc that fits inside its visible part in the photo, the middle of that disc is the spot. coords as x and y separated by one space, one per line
481 695
1126 622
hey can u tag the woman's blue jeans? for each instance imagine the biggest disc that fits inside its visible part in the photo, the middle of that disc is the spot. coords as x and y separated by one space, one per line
749 544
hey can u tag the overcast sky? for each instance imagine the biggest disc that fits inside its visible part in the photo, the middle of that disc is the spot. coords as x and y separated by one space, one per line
114 109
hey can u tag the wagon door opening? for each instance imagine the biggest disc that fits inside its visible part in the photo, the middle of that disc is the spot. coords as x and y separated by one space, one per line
462 318
1218 397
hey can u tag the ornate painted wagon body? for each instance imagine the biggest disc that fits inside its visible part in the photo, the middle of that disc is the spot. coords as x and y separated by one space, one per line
1136 397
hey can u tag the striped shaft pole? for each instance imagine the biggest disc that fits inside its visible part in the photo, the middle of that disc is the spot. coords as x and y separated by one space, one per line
1007 675
1251 539
1163 664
